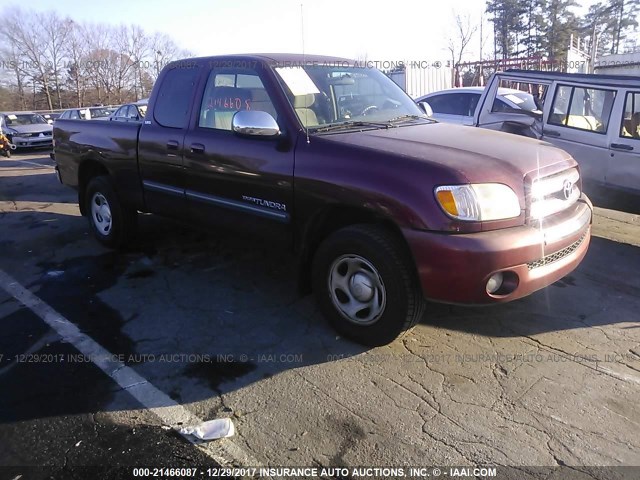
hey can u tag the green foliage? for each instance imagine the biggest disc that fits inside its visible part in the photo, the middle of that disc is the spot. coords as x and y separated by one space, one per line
544 27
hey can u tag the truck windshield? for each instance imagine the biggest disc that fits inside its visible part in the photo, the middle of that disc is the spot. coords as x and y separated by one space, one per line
323 96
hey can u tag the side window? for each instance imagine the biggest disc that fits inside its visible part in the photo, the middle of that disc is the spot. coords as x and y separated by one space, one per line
74 115
120 113
501 106
517 95
64 115
451 104
174 98
473 103
630 127
230 91
582 108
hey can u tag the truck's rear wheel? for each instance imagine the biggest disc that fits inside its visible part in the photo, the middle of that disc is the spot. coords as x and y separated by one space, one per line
364 284
111 222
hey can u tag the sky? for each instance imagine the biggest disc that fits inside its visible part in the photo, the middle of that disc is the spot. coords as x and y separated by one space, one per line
398 30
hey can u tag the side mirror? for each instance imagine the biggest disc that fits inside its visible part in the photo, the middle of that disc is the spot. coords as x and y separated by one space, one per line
536 114
426 108
255 123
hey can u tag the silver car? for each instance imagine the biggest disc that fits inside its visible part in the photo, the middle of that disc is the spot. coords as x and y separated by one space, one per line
458 105
26 129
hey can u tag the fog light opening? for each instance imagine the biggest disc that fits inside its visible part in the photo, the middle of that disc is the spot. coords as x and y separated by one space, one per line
495 282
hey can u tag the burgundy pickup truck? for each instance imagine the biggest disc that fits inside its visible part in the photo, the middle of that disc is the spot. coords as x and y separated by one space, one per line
383 207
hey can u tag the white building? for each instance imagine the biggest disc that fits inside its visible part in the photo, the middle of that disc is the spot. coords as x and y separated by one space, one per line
620 64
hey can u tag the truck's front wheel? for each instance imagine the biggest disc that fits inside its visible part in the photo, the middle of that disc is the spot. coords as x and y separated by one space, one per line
111 222
364 284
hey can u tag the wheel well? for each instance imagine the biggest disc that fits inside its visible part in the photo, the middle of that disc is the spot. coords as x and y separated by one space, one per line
330 221
88 170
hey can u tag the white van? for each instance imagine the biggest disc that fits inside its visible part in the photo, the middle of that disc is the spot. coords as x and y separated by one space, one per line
595 118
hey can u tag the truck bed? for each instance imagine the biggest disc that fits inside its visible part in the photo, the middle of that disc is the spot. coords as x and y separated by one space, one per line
113 145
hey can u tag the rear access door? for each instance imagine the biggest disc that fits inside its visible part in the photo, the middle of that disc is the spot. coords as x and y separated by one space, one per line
161 143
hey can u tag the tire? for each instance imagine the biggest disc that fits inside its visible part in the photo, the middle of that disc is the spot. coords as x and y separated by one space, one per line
365 285
112 223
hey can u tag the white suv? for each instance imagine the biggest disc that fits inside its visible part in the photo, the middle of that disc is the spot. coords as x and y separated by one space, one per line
595 118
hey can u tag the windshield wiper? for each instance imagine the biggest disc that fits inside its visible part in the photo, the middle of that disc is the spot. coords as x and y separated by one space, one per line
403 118
349 124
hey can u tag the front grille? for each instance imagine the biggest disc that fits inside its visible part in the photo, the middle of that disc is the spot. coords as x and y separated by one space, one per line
552 194
559 255
32 135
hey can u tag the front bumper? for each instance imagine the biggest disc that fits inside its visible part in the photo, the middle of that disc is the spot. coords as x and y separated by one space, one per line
31 142
456 268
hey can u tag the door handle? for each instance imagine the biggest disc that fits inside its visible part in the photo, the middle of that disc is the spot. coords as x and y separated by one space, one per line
550 133
197 148
621 146
172 145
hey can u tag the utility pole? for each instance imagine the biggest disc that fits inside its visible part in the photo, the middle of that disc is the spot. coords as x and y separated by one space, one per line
594 45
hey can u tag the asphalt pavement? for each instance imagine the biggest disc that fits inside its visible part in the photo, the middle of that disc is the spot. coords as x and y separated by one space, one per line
214 327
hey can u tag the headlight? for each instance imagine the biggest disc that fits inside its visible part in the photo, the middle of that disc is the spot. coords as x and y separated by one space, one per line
479 201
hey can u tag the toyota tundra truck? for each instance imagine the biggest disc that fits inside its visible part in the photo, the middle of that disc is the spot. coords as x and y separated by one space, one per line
383 207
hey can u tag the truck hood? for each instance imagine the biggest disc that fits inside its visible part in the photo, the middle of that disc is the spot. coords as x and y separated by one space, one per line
479 155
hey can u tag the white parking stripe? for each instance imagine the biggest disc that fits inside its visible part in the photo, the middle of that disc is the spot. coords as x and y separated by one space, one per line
223 451
40 165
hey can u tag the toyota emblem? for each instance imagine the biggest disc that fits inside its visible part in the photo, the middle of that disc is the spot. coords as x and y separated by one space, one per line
567 189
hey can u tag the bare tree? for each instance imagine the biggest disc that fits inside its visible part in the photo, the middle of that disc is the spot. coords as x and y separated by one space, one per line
464 33
69 63
76 52
15 63
55 32
22 31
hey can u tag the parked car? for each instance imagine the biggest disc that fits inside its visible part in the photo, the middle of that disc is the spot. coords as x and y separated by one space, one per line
383 209
593 117
26 129
458 105
87 113
51 117
131 112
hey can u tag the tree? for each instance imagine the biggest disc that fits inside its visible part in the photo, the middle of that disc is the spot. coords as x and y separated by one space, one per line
559 24
22 31
464 33
55 32
624 16
66 63
507 19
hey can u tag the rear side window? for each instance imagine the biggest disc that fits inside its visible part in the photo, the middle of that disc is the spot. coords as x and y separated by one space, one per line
174 98
582 108
630 127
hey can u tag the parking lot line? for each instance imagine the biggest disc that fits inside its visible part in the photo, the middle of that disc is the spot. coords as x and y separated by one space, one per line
39 165
169 412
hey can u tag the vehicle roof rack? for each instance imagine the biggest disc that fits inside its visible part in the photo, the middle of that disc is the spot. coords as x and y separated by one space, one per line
595 78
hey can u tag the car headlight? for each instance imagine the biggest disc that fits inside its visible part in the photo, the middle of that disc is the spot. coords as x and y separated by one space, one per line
478 201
